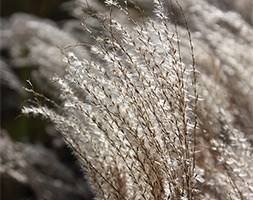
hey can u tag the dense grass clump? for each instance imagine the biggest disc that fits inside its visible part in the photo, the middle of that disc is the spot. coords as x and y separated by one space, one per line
145 118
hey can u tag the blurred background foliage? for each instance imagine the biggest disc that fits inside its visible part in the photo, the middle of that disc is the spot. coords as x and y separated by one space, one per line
40 147
19 127
42 8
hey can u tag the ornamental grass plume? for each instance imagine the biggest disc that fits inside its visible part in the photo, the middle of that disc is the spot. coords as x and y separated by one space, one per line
143 122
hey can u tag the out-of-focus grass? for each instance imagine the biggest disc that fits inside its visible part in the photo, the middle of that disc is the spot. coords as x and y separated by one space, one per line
21 128
41 8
